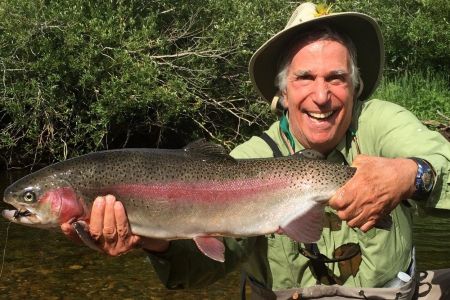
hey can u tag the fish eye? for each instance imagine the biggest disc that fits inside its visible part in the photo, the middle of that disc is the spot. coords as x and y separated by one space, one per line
29 197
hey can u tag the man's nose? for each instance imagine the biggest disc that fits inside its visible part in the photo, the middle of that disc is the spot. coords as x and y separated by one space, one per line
321 92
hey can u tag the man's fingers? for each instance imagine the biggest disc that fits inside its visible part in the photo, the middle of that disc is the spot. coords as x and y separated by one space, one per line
339 200
359 160
96 220
349 213
125 235
68 231
123 227
358 221
369 225
109 221
109 229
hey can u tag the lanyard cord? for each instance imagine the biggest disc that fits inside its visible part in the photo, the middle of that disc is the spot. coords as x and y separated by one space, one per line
288 139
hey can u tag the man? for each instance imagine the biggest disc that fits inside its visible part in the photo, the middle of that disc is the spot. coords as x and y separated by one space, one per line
324 67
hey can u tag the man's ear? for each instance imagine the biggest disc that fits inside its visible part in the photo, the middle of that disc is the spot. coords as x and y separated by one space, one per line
359 88
284 100
279 102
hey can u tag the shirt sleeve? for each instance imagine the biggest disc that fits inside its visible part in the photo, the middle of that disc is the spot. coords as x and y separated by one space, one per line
390 130
255 147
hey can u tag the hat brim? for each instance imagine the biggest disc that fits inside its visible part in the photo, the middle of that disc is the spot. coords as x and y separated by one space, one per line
360 28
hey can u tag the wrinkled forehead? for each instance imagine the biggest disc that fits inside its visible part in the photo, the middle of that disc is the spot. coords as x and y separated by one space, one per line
321 56
319 34
321 46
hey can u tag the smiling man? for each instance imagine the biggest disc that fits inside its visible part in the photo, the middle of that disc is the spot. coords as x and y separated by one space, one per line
319 93
320 72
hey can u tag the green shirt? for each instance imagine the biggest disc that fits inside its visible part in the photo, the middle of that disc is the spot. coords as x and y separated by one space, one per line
379 128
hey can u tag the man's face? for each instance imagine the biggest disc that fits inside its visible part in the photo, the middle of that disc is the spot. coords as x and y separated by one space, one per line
319 94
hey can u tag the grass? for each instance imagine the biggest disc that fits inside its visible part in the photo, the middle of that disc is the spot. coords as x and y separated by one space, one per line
426 94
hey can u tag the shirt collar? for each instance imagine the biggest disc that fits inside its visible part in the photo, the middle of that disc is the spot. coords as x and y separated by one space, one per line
340 153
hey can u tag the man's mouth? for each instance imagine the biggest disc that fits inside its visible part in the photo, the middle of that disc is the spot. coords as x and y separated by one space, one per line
320 116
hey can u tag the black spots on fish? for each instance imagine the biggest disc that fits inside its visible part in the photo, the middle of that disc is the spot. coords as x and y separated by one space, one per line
133 202
350 171
300 173
155 172
206 174
126 165
277 173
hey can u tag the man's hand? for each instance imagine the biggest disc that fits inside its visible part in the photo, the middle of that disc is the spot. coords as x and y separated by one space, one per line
110 228
377 187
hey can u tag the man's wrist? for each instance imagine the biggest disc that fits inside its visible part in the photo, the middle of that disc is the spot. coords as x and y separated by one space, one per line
424 180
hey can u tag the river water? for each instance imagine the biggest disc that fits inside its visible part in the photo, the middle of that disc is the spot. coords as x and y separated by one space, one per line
40 264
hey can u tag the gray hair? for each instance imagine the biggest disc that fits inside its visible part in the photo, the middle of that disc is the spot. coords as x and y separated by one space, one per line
319 34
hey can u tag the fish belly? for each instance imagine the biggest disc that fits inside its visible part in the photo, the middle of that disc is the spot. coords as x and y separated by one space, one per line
193 212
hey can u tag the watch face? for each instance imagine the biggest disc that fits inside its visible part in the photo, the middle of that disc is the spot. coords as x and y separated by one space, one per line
427 181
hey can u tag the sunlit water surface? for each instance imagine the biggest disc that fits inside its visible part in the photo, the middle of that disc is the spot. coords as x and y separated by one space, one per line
39 264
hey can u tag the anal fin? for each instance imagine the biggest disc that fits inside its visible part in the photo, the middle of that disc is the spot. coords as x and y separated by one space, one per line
211 247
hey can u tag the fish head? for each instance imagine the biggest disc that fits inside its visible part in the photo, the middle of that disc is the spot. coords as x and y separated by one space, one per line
39 201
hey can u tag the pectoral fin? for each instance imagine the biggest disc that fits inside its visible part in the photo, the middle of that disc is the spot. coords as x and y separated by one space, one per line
306 227
81 228
211 247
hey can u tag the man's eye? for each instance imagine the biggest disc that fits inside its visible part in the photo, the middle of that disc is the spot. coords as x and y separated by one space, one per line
337 79
304 77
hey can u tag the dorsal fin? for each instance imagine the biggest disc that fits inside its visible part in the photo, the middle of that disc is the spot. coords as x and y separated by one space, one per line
310 154
209 150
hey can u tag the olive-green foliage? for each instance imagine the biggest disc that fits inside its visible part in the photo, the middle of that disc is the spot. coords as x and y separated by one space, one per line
417 42
425 93
79 76
416 32
85 75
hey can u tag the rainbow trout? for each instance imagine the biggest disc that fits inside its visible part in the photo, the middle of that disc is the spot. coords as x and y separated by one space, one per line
199 192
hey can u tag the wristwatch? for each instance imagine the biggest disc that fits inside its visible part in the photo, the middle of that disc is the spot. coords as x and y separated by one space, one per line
425 179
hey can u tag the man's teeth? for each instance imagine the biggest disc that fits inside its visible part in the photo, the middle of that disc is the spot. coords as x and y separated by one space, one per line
320 115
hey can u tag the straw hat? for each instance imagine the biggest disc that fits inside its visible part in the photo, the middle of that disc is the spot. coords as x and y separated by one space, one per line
362 29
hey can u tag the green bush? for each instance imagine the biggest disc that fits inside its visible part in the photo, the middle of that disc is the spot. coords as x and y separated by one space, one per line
79 76
416 32
424 93
86 75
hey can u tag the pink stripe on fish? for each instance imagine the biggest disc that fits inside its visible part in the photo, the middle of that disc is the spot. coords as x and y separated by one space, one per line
198 191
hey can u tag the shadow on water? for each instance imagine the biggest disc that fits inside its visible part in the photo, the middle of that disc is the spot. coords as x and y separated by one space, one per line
41 264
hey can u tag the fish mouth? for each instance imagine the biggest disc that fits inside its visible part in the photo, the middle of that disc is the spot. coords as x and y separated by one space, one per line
22 216
22 213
